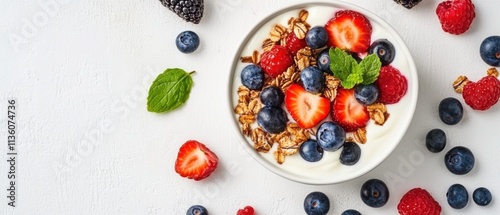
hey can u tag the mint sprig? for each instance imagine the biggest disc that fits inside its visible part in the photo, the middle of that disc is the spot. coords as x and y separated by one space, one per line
350 73
169 90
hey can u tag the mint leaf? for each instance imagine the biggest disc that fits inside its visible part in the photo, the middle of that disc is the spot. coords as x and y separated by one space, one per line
341 63
371 68
354 78
169 90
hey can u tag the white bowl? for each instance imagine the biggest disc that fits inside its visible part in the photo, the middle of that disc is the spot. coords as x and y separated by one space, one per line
382 140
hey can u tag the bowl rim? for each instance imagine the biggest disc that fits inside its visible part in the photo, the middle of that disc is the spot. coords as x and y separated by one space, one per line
338 4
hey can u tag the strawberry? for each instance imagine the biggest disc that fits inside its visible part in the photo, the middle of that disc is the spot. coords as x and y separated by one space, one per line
294 44
306 109
456 16
483 94
195 160
349 30
418 201
247 210
348 112
276 61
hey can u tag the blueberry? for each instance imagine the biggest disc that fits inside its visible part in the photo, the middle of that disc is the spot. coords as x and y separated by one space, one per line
384 50
252 77
311 151
450 111
272 119
272 96
316 37
374 193
490 50
323 61
330 136
351 152
366 94
197 210
312 78
187 42
481 196
351 212
435 141
457 196
459 160
354 55
316 203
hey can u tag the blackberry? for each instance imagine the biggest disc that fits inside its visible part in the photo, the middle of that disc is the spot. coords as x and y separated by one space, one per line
408 4
189 10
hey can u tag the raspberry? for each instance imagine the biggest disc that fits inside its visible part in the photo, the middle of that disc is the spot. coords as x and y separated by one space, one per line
276 61
418 201
391 84
247 210
456 16
482 94
294 44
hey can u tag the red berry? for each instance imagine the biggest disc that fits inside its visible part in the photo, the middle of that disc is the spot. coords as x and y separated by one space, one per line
418 201
456 16
294 44
247 210
195 161
391 84
482 94
306 109
348 112
349 30
276 61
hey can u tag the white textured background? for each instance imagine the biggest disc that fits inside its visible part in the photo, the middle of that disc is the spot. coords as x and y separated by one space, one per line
87 145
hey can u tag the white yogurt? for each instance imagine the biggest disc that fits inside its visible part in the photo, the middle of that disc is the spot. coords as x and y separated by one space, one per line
381 139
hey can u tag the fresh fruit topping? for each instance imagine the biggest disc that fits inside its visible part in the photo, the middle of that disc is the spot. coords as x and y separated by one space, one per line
313 79
276 61
418 201
351 212
316 37
190 10
450 111
482 196
391 84
490 50
187 42
294 44
346 68
457 196
435 141
355 56
306 109
351 152
330 136
252 77
272 96
366 94
456 16
348 112
316 203
272 119
459 160
349 30
374 193
195 161
197 210
323 61
311 151
384 50
169 90
247 210
482 95
408 4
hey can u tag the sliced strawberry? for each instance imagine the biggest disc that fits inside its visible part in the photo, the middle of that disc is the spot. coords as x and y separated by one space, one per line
349 30
306 109
348 112
195 160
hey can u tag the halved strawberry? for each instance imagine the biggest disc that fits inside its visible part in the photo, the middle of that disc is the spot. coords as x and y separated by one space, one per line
195 160
349 30
306 109
348 112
